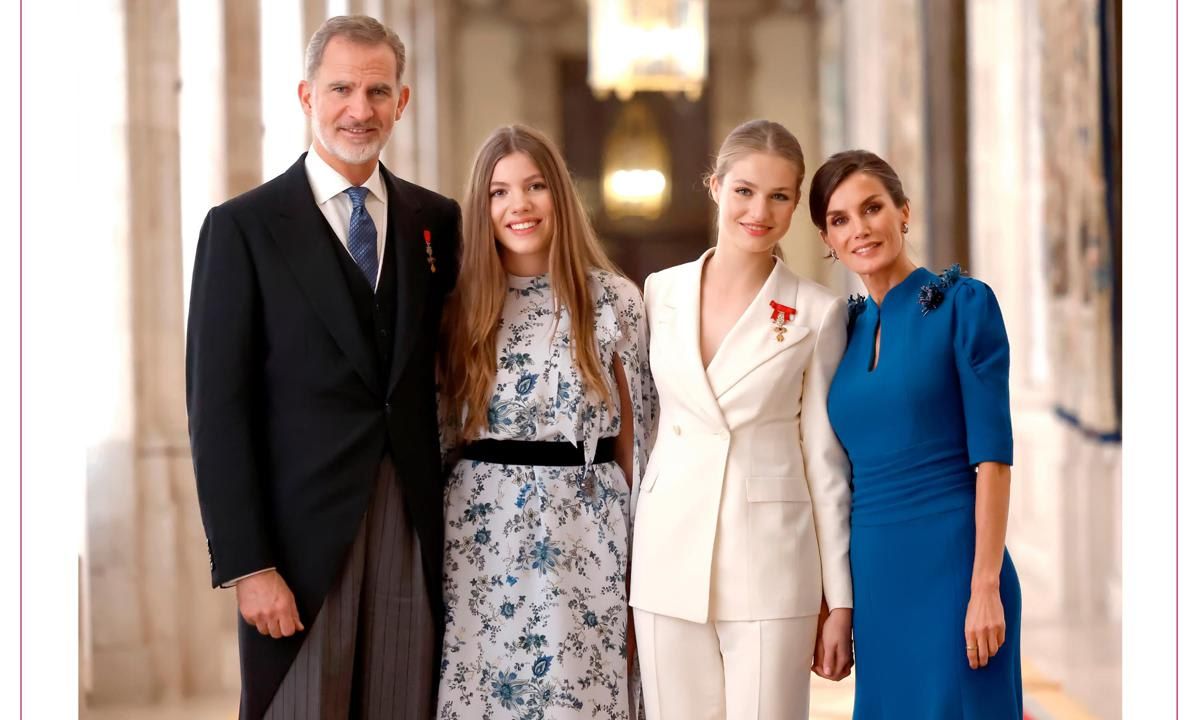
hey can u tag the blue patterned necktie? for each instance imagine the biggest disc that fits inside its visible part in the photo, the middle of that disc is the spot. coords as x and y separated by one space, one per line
361 240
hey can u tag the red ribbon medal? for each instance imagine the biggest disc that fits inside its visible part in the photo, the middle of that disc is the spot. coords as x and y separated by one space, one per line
780 314
429 252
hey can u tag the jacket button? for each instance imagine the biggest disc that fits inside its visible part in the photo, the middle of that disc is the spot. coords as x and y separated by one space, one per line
387 408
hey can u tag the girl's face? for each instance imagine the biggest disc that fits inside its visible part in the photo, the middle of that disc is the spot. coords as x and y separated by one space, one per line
522 214
863 225
755 201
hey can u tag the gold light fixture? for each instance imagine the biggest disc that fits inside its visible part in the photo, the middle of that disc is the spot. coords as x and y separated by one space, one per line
636 165
652 45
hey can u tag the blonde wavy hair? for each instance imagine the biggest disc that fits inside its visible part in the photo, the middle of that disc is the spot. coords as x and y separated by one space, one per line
467 365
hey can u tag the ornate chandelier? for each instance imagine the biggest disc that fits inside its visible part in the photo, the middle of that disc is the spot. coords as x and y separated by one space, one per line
652 45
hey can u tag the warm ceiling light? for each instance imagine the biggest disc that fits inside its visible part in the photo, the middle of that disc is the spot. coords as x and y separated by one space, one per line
651 45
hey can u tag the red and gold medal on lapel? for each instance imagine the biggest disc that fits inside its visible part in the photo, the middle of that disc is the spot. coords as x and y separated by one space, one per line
429 251
780 315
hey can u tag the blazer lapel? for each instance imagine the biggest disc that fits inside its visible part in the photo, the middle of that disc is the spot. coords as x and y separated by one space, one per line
302 235
684 297
753 341
412 272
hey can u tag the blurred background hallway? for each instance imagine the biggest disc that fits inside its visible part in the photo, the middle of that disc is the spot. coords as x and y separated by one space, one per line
1002 117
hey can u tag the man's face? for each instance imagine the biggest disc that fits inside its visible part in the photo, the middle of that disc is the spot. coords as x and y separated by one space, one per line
352 102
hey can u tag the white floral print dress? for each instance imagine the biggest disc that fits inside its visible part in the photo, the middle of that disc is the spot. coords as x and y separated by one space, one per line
536 556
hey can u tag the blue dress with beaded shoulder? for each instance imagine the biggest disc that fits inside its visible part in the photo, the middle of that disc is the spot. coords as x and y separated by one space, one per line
915 423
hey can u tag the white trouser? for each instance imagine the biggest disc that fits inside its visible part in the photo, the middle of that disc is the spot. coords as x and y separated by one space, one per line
725 670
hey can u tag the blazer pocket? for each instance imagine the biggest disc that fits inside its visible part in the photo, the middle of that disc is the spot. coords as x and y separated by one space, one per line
773 488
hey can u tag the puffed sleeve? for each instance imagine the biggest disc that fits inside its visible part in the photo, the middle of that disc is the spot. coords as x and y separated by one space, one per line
981 355
625 313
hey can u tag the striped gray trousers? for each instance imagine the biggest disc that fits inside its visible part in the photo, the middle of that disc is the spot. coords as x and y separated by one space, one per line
370 652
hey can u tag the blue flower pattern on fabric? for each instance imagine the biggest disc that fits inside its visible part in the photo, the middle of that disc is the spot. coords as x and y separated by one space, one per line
535 558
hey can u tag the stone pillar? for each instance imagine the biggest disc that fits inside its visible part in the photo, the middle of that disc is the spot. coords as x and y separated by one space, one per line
487 87
243 96
142 660
784 89
873 93
312 15
943 39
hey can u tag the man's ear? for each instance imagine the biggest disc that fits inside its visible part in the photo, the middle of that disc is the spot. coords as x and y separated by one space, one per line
304 92
405 91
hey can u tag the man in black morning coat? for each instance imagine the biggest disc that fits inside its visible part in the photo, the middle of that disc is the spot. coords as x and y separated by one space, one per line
310 387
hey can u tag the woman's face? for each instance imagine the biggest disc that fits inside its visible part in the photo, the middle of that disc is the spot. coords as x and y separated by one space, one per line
755 201
522 214
863 225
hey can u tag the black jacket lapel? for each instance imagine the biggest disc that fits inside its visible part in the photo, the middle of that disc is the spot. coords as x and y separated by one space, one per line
412 272
303 238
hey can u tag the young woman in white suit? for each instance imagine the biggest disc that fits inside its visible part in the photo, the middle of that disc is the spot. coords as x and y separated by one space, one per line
740 570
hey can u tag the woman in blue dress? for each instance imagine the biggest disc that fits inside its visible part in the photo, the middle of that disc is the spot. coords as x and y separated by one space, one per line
920 402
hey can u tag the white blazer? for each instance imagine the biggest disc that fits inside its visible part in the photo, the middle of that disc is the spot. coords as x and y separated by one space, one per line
744 509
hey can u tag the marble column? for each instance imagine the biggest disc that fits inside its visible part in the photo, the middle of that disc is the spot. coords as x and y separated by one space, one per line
243 96
143 661
784 89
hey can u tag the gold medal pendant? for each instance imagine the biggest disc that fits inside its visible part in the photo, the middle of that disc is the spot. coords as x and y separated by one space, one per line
780 314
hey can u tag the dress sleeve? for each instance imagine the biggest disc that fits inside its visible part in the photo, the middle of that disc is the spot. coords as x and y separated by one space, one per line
982 357
632 351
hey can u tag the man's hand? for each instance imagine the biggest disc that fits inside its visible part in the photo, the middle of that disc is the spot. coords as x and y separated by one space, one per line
265 602
832 658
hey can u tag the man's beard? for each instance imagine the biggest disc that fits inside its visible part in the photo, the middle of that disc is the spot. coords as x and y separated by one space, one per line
350 154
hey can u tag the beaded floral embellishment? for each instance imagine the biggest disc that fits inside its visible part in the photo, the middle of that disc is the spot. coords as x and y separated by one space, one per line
855 305
934 292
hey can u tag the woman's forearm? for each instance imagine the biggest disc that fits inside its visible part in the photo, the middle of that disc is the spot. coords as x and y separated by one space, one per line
991 523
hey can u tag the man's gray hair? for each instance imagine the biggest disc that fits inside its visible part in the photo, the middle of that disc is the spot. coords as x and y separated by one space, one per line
360 29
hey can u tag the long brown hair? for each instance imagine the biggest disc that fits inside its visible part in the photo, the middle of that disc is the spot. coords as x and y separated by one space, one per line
468 361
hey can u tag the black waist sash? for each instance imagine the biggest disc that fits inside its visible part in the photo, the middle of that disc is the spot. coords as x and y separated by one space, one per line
532 452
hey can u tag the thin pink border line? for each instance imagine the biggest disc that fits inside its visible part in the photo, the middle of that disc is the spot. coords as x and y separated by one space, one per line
20 361
1176 359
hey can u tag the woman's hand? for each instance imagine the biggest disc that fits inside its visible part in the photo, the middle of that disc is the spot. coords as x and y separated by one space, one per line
984 629
832 657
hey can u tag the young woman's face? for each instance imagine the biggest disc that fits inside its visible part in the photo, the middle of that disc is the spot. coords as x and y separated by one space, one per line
755 201
863 225
522 214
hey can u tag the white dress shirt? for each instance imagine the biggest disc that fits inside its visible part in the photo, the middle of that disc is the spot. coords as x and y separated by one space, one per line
328 187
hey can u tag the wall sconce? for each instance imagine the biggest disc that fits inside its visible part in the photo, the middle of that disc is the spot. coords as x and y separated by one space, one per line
636 165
